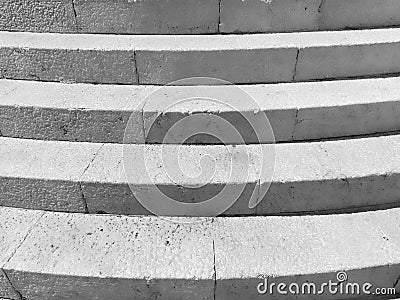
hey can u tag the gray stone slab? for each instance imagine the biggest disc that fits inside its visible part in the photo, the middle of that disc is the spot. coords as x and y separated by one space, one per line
147 17
306 15
103 257
296 111
37 15
306 249
161 59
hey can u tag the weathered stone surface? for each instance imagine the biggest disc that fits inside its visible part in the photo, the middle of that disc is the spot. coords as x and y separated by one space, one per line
103 257
296 111
43 175
195 17
345 62
37 15
306 15
343 175
147 17
71 112
237 66
264 16
342 14
304 249
114 183
66 65
98 257
15 226
6 289
336 175
161 59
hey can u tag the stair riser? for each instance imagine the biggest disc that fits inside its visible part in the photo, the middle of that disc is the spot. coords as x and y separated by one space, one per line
282 198
50 286
194 17
109 126
164 67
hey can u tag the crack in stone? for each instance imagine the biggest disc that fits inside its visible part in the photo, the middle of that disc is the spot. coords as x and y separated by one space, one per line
320 6
136 67
83 198
295 65
215 270
396 282
90 162
16 292
75 15
143 120
214 256
25 237
258 186
219 17
296 121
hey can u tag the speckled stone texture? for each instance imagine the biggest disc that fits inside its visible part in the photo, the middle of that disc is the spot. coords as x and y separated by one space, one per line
37 15
103 257
80 256
195 17
147 16
43 177
161 59
306 15
304 249
296 111
72 112
336 176
68 65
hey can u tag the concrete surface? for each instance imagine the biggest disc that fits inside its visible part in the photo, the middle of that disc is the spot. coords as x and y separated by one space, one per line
42 175
37 15
306 15
6 288
336 176
161 59
73 112
66 65
296 111
95 257
306 249
147 17
194 17
103 257
15 226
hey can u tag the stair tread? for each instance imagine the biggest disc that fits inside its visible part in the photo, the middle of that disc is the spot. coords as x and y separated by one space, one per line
109 250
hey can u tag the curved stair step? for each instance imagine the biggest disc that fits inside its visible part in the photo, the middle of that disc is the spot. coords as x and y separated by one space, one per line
330 176
60 255
296 111
162 59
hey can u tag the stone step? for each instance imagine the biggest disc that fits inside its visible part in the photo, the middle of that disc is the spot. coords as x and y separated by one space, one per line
48 255
318 177
195 17
296 111
162 59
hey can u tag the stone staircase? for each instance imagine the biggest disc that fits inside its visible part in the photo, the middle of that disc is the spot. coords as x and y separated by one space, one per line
94 93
